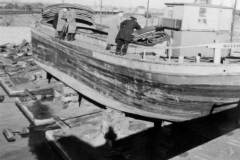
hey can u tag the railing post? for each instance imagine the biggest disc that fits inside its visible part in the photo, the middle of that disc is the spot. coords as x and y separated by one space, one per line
180 59
169 54
144 52
169 43
217 55
197 59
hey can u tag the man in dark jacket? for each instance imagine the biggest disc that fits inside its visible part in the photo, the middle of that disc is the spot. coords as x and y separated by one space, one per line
124 35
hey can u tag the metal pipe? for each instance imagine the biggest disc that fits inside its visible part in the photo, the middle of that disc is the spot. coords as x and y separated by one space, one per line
147 14
233 20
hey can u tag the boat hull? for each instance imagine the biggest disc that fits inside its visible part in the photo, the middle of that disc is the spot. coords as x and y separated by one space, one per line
119 83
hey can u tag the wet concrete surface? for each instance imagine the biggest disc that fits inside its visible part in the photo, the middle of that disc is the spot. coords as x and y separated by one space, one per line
33 147
155 143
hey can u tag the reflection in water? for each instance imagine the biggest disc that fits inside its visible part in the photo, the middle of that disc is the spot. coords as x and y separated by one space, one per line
153 144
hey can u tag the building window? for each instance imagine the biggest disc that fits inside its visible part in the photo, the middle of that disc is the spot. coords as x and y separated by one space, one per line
202 12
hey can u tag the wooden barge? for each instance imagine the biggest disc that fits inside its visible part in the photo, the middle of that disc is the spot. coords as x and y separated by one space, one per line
169 89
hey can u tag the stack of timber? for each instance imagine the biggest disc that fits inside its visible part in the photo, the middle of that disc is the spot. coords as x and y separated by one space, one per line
18 70
15 52
24 74
150 36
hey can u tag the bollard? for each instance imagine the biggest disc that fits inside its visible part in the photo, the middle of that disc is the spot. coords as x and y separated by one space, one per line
8 134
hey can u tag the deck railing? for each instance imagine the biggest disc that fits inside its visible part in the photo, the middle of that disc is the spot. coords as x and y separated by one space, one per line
217 50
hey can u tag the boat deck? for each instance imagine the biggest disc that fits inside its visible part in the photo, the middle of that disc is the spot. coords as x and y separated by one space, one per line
155 53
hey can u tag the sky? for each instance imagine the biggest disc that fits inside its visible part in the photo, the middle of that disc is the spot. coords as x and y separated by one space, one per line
125 3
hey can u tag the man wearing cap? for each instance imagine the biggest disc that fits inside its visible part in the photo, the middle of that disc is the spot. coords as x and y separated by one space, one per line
124 35
114 27
62 23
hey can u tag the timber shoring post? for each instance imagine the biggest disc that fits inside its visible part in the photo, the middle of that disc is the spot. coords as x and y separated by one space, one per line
158 123
212 109
49 77
238 114
79 99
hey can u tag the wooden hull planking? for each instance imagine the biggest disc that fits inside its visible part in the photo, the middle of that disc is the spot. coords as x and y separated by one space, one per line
119 83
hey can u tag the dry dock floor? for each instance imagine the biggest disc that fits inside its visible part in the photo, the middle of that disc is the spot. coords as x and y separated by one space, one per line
152 144
33 147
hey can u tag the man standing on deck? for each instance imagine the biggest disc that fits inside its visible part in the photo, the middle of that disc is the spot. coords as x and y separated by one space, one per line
124 36
114 27
62 23
71 20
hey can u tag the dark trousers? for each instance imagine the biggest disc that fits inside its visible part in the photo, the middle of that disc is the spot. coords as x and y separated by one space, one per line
71 36
122 46
109 46
60 35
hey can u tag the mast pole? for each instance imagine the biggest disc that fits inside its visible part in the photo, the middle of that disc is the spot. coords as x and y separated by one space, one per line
233 20
100 11
147 14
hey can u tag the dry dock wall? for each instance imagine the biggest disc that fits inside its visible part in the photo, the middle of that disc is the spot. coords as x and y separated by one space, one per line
14 34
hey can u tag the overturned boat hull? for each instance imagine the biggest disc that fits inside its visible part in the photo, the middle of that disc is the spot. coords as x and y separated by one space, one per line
173 92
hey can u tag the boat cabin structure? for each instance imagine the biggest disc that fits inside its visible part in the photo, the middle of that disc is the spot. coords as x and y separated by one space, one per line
198 23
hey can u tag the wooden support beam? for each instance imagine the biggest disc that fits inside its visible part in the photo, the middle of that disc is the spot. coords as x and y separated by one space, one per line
238 114
79 99
217 56
158 123
49 77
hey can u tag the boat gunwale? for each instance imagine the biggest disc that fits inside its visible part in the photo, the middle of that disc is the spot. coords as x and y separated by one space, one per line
102 51
95 55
